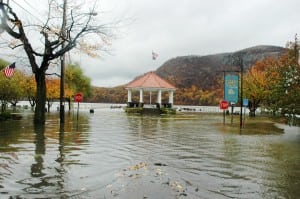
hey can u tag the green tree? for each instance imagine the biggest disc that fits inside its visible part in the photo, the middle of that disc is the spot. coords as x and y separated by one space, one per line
77 81
284 81
275 83
11 89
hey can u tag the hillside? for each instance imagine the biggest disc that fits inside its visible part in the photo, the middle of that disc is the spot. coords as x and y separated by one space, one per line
198 79
204 71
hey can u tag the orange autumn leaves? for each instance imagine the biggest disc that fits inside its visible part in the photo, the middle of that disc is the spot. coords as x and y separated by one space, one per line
274 83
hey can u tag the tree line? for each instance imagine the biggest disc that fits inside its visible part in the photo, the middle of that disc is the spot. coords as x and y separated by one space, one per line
22 86
274 83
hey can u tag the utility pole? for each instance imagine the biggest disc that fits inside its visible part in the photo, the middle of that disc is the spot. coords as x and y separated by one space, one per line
62 67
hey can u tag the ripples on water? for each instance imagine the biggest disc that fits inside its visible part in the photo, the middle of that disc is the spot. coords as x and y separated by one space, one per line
109 154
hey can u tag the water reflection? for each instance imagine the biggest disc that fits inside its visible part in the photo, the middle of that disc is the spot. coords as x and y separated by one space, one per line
34 156
230 164
40 149
109 154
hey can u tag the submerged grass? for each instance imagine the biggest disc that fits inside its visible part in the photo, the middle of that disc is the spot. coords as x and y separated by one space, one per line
252 126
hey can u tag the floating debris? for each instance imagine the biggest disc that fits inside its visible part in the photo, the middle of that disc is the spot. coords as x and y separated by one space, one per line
137 166
158 172
176 186
160 164
145 180
134 176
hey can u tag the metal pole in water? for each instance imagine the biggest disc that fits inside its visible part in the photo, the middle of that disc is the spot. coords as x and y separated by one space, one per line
77 110
224 111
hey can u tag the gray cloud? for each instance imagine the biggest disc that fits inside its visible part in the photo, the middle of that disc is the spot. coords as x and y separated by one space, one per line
197 27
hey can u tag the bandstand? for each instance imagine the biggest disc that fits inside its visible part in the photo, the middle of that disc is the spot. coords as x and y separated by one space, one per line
152 83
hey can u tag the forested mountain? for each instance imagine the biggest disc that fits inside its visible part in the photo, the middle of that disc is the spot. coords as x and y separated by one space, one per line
204 71
198 79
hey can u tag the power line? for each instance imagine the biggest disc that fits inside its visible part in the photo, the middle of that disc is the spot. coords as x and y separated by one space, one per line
27 10
30 5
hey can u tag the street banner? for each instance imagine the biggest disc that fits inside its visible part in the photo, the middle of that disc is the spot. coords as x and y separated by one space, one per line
231 86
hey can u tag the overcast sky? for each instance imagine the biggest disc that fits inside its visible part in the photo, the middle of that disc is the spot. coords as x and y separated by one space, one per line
188 27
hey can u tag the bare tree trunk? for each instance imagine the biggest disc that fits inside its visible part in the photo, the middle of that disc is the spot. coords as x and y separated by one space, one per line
252 112
32 102
39 116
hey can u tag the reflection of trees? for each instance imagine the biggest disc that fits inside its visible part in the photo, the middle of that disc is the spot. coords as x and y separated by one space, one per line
259 159
52 148
157 130
144 126
10 133
69 134
37 167
284 163
61 156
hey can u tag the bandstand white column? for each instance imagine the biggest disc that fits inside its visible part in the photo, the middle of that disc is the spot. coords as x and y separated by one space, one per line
141 96
171 97
129 95
159 97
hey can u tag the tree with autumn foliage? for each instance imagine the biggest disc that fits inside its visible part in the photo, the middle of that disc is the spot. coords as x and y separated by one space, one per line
75 81
275 83
53 94
256 84
30 89
284 82
53 88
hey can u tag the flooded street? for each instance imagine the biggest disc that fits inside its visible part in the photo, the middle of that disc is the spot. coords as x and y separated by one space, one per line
110 154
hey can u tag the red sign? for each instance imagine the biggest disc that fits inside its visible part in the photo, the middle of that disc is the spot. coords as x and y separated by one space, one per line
224 104
78 97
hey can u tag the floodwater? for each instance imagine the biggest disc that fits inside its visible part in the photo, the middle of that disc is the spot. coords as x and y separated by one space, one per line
110 154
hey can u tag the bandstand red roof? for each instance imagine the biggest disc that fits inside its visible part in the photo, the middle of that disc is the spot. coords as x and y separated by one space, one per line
150 80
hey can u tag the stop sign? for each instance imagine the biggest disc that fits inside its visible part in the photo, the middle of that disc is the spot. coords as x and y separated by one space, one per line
224 104
78 97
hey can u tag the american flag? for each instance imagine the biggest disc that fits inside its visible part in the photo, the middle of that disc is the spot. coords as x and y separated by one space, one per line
154 55
9 70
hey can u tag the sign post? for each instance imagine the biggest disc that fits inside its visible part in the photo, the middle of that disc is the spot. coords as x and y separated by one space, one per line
245 104
78 98
223 106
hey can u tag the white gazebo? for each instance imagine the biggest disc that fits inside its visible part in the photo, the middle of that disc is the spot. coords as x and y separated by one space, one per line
153 83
